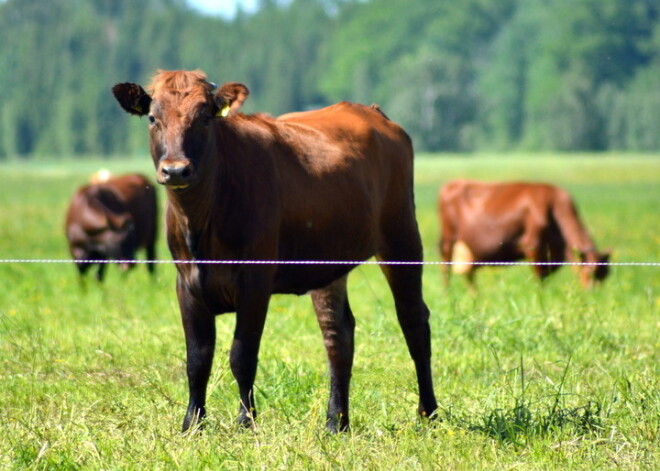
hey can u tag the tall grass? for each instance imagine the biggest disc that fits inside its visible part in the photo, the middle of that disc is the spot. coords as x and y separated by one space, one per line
528 376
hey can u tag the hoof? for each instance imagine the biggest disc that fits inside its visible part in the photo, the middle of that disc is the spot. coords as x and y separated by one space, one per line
337 424
247 419
432 418
193 419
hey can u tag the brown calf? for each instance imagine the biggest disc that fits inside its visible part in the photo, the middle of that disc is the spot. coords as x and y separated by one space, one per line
332 184
504 222
109 219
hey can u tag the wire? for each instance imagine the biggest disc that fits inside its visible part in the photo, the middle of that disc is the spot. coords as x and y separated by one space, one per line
325 262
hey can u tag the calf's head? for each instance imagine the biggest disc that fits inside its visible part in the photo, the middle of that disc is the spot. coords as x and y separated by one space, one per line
597 268
182 111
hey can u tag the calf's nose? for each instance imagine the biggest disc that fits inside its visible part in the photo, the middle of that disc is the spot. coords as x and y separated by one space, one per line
175 174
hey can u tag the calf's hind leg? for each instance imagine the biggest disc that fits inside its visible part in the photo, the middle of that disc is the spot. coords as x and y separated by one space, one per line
446 246
151 255
413 315
338 327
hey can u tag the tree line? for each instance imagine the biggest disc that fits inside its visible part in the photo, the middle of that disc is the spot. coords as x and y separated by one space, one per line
560 75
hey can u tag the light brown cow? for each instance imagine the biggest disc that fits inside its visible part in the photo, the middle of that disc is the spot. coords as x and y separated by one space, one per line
504 222
334 184
109 219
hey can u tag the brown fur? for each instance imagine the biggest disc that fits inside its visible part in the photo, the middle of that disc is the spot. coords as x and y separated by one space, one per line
503 222
110 219
330 184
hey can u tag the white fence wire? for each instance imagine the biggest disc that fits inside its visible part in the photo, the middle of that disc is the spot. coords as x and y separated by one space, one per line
323 262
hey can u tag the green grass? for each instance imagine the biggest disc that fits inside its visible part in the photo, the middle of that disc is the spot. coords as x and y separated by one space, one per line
527 377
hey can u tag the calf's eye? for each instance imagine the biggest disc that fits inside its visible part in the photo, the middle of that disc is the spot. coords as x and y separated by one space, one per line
151 119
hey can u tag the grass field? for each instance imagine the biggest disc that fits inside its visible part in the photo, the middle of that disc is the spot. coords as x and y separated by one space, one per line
528 377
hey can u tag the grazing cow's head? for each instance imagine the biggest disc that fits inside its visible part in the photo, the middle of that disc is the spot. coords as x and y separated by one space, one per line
598 267
182 109
102 230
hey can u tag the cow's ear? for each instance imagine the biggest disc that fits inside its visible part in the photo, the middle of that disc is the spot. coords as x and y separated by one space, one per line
230 97
132 98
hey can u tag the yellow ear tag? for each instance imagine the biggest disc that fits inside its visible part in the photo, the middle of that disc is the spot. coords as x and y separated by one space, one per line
224 111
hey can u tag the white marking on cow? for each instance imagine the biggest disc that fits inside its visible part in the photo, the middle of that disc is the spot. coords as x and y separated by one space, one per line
461 258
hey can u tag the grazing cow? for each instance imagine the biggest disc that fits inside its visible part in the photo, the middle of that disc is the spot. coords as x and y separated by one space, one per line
335 184
504 222
109 219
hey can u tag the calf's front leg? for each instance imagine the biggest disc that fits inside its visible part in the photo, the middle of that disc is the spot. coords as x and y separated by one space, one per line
243 357
199 330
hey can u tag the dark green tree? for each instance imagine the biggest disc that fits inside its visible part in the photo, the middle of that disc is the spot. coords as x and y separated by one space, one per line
474 74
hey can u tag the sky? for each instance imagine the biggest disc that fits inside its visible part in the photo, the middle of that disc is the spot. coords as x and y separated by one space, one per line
226 8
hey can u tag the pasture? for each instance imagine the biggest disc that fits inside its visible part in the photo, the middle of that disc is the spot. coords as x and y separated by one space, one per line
527 376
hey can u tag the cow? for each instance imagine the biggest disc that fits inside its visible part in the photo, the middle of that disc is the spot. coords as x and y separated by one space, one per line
109 219
504 222
330 185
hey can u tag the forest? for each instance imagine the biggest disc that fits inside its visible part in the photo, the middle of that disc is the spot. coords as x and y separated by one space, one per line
468 76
